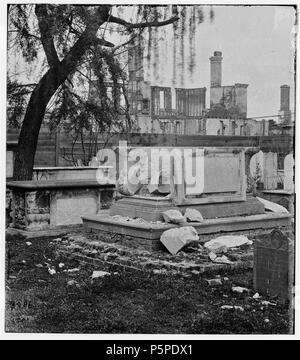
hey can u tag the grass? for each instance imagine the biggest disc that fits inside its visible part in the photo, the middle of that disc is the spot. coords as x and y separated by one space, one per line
140 303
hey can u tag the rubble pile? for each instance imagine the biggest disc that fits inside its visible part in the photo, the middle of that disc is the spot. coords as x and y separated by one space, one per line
190 258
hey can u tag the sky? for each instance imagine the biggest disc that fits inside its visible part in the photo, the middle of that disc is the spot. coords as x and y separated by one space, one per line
257 43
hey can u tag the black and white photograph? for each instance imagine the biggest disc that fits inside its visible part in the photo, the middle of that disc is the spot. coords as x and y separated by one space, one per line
149 183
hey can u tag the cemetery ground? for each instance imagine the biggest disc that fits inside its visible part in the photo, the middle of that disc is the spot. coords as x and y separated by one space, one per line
46 293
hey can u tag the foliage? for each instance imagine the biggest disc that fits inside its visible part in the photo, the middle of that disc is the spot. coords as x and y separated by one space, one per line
68 46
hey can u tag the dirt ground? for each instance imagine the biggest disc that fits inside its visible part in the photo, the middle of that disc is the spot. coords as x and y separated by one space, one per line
46 293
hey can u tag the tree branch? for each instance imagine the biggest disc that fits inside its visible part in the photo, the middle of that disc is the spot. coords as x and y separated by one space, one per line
129 26
124 44
46 37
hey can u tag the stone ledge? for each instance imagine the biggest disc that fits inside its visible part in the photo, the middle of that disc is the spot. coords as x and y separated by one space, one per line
55 184
153 231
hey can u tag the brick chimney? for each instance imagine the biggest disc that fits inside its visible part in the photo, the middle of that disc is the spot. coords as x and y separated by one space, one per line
284 98
216 69
284 112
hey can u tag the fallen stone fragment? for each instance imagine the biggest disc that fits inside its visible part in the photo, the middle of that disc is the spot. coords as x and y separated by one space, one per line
216 248
39 266
266 321
267 303
173 217
193 215
256 296
212 256
271 206
99 274
72 270
158 272
72 283
223 260
57 240
28 243
230 241
51 271
195 272
239 289
61 265
214 282
176 239
230 307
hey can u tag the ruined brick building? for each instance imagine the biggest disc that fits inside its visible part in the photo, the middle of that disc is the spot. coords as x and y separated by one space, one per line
165 110
183 111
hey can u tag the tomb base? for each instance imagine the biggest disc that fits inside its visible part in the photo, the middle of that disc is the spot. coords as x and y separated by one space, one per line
151 208
147 235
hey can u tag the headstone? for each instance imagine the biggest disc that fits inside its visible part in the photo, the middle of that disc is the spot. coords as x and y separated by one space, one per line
256 164
270 174
288 182
9 164
274 265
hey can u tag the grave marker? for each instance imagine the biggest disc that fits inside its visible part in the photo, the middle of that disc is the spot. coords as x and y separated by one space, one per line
274 265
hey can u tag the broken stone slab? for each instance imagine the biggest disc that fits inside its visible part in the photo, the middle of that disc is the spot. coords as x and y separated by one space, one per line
216 247
214 282
99 274
230 307
173 217
271 206
222 260
230 241
176 239
239 289
193 215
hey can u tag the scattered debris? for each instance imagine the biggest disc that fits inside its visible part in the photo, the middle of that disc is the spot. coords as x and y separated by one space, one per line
256 296
231 307
174 217
72 283
239 289
230 241
193 215
214 282
216 247
99 274
176 239
72 270
267 303
51 271
223 260
271 206
212 256
158 272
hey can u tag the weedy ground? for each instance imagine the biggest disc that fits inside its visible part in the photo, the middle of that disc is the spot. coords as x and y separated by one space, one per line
42 296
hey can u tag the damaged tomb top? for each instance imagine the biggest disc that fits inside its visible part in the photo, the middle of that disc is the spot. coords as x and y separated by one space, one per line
218 194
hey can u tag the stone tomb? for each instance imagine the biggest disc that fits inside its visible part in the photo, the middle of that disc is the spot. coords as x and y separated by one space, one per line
274 265
38 205
221 199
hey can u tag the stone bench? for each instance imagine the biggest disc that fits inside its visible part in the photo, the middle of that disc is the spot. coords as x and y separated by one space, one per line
40 205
